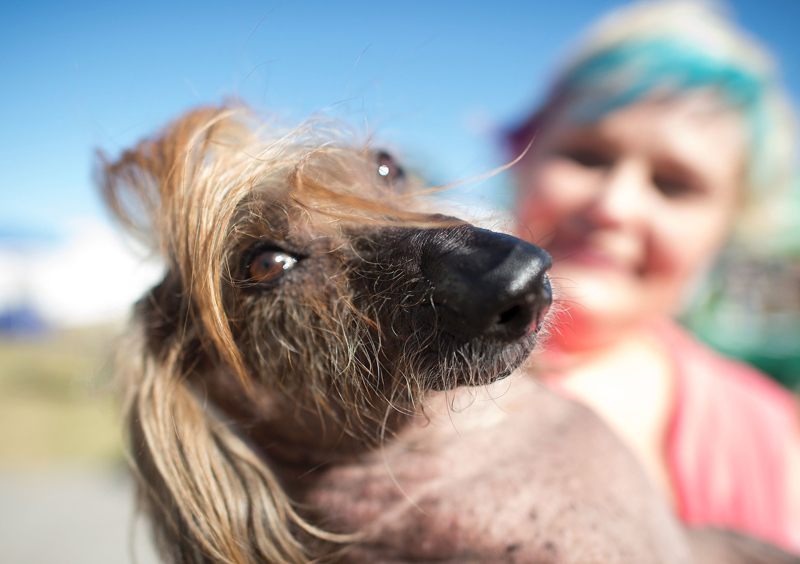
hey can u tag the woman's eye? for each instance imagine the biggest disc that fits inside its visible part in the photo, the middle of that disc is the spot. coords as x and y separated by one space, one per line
673 187
270 264
587 158
388 168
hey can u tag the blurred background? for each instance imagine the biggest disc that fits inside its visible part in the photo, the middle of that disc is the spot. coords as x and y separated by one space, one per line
435 81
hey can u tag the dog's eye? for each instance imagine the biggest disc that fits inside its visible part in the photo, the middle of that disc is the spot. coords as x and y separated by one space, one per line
269 264
388 167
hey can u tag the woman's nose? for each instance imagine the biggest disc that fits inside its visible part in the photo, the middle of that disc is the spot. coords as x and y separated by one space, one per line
621 196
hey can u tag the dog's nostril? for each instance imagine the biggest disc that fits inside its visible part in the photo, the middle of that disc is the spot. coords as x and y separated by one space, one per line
509 315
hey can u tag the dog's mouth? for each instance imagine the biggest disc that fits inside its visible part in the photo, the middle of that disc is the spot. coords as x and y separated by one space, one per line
445 347
445 361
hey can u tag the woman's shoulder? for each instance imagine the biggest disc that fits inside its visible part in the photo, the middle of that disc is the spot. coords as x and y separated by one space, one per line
730 437
702 370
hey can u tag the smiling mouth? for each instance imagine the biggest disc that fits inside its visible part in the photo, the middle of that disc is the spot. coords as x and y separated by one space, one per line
594 256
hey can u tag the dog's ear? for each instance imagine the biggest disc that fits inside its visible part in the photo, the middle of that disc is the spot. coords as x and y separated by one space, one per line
211 498
156 188
170 192
139 186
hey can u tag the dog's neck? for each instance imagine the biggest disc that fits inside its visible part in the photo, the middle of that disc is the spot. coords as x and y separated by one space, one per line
300 437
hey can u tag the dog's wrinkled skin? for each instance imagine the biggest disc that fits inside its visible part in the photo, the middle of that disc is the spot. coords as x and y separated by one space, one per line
296 386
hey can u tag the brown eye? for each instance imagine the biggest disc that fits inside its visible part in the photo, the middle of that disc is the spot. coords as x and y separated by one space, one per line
674 187
587 158
270 264
388 168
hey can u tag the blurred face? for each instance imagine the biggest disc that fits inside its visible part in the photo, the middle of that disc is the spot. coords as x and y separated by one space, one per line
631 207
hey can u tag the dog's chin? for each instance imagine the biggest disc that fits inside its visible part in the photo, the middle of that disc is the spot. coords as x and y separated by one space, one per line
477 362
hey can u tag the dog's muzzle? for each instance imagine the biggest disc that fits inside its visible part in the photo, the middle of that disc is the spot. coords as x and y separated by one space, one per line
486 285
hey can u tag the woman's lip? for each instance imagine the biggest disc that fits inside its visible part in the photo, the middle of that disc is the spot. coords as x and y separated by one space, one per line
588 256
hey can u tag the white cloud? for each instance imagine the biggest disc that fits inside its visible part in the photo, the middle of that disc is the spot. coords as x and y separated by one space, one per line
94 275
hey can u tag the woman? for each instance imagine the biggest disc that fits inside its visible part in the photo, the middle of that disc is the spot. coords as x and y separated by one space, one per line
664 130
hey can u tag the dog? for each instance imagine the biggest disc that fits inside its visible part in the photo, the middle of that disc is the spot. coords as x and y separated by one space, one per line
323 373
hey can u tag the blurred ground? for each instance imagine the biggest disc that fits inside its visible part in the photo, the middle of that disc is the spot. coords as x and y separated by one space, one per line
56 401
65 494
70 516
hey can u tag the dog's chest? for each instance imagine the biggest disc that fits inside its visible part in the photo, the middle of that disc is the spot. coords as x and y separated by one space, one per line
477 489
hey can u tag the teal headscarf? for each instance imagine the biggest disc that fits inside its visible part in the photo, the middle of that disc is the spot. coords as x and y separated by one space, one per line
627 72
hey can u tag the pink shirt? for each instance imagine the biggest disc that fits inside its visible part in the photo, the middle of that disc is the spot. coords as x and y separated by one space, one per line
729 442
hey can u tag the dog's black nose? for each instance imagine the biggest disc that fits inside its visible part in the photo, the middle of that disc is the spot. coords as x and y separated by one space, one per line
487 284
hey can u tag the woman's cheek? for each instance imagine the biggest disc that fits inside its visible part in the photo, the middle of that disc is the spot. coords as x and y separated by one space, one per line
680 249
551 195
535 212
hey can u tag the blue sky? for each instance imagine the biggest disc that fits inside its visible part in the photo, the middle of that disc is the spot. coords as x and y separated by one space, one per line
430 78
